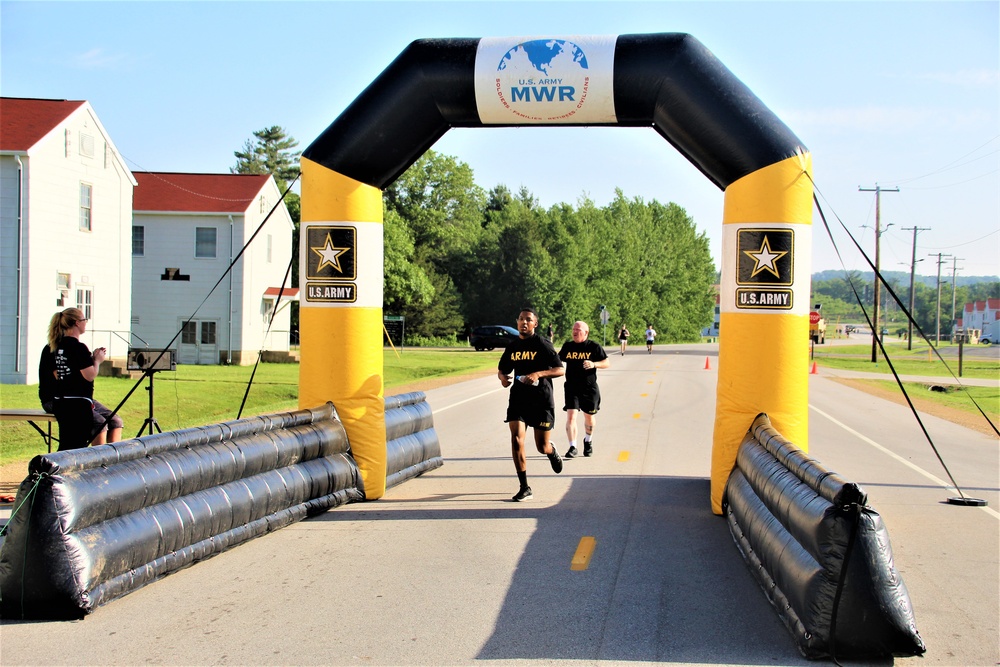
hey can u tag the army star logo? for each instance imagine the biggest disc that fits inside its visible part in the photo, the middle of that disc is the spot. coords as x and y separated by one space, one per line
765 258
329 255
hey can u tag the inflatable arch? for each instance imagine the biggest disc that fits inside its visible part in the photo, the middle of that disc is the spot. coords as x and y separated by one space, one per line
669 82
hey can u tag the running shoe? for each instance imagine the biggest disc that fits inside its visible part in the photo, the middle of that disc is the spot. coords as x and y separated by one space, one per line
588 447
572 453
556 461
522 495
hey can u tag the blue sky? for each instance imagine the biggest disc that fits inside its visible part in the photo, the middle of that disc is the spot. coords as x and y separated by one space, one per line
900 94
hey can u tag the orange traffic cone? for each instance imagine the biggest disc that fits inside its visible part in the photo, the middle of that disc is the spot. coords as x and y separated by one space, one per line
708 366
813 371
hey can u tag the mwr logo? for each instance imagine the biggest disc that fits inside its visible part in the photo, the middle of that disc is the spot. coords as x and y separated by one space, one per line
765 257
331 292
332 253
543 80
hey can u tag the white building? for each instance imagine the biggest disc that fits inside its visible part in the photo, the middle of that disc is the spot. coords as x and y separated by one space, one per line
984 316
187 230
65 230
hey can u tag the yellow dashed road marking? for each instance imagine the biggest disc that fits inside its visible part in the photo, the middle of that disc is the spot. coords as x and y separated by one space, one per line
623 456
584 550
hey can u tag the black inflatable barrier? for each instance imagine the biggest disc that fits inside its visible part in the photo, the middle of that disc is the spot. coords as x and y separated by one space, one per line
820 554
91 525
412 446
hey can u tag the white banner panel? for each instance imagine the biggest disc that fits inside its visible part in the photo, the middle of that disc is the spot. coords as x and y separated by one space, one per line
763 270
341 264
546 80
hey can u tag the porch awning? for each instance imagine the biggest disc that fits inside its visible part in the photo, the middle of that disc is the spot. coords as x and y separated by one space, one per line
289 293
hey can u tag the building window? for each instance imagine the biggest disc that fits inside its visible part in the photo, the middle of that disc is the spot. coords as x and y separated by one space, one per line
189 334
85 301
208 333
205 242
62 290
138 241
86 191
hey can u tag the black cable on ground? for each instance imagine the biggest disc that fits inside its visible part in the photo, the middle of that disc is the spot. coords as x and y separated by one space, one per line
878 339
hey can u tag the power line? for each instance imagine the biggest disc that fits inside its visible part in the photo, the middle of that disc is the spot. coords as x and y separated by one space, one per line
952 163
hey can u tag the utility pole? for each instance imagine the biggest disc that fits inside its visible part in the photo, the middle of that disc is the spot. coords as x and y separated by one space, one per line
940 256
954 285
877 331
913 270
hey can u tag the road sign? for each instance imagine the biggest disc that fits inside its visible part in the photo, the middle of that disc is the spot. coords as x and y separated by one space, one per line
604 316
813 317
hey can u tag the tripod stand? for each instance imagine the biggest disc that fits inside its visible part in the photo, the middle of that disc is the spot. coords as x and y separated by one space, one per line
150 420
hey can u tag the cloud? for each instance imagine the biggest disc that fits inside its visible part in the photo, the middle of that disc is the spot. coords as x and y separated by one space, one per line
96 58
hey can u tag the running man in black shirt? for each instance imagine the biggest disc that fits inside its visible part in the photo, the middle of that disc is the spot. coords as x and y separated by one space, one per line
529 363
582 358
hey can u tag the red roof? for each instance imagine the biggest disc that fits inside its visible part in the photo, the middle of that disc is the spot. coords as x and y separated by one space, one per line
287 293
23 121
196 193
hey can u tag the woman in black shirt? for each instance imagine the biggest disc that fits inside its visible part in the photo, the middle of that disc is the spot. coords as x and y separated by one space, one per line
75 369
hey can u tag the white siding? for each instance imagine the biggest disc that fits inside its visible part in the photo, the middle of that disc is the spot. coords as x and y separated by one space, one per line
261 274
161 306
53 243
9 274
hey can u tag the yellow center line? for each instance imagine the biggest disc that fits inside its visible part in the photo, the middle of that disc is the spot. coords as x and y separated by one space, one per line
623 456
584 550
636 415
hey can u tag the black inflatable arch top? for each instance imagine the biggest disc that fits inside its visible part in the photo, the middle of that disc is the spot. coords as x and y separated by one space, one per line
668 81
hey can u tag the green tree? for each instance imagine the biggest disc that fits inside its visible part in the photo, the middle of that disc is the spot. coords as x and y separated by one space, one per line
405 284
440 207
270 152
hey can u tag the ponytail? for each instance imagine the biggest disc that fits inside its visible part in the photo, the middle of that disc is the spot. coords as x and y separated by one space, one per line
62 322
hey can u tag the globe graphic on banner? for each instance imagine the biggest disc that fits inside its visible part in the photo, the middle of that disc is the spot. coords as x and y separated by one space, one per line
543 80
548 57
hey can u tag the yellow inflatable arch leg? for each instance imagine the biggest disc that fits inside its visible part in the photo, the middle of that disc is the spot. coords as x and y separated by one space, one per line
764 310
340 311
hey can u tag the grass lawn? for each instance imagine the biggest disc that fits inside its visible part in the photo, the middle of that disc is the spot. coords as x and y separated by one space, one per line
918 361
196 395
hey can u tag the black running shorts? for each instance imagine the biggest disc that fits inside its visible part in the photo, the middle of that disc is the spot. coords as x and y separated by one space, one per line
586 398
541 417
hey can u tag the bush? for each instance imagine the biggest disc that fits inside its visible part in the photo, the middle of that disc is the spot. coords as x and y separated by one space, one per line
434 341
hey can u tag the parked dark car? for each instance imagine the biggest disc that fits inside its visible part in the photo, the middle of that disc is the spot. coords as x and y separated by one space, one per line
492 336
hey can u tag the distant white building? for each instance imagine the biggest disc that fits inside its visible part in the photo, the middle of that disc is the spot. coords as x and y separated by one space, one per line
65 230
982 315
187 229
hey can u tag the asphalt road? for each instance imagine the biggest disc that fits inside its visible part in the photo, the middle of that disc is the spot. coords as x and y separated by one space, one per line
445 570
